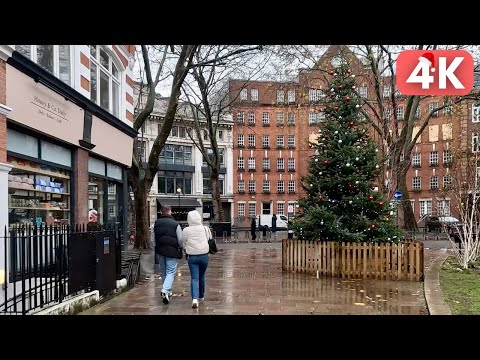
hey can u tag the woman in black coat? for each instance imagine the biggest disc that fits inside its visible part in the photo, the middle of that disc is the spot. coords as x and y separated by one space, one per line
253 229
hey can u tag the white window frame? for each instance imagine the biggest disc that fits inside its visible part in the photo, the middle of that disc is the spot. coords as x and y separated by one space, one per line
252 206
313 95
56 61
251 186
400 112
251 118
475 142
280 118
312 118
431 107
111 80
433 158
291 141
241 186
251 140
447 110
433 182
265 141
417 113
254 94
475 113
444 207
266 163
291 118
281 186
291 186
280 164
241 209
291 164
244 94
363 91
266 118
416 183
251 163
291 96
280 141
241 117
266 186
280 208
280 96
417 159
425 207
447 181
241 163
241 140
387 91
447 156
320 116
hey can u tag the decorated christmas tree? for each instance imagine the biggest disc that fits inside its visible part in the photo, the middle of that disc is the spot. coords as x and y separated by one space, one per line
343 202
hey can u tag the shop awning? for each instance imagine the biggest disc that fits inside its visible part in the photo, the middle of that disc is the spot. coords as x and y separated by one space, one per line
174 202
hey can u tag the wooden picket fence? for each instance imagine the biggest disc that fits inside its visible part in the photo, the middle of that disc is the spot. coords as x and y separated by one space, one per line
385 261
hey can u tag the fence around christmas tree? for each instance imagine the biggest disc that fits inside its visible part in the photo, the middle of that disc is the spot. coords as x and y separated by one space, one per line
382 261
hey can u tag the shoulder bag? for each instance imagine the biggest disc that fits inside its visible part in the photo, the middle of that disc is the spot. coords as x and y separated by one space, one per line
212 245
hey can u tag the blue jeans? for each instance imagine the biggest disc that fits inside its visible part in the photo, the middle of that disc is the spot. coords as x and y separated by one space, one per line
198 266
168 268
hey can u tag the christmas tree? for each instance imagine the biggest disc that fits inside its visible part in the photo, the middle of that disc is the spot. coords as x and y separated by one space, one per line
341 202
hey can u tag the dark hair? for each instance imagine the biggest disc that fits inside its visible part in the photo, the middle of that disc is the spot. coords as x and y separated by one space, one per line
165 209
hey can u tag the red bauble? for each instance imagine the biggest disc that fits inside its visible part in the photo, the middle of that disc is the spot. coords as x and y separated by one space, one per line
335 108
370 198
350 123
380 203
325 162
340 87
310 146
320 197
372 226
349 71
347 98
324 108
353 87
349 186
332 72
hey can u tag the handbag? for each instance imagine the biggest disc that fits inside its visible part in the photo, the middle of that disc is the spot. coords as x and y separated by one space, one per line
212 245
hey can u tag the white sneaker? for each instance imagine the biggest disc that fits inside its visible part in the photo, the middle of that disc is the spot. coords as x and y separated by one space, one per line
195 303
202 299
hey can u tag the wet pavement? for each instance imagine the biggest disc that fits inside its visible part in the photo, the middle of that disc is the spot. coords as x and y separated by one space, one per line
247 279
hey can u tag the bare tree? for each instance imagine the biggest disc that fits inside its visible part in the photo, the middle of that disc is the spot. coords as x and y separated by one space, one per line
398 133
464 193
208 98
142 173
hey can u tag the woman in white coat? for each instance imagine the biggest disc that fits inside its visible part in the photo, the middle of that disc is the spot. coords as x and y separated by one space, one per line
195 242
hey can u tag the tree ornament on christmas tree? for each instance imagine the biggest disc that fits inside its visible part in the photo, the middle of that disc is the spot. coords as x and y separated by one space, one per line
335 108
339 87
320 197
320 173
347 164
350 123
325 162
372 226
380 203
350 186
347 98
332 90
349 71
357 106
370 198
353 87
353 75
316 160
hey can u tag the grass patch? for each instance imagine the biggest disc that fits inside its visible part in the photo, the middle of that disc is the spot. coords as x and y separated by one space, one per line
461 288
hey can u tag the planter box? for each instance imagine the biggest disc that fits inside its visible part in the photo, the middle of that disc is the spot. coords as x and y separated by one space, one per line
383 261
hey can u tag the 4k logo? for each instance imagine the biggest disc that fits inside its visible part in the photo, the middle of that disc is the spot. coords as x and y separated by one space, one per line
435 72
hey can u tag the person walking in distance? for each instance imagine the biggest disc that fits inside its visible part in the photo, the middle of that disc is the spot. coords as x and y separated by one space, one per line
168 248
274 226
195 241
253 228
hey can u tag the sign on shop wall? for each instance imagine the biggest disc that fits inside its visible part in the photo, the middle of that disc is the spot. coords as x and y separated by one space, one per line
39 107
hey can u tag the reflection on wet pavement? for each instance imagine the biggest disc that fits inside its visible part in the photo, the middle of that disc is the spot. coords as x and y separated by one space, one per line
248 279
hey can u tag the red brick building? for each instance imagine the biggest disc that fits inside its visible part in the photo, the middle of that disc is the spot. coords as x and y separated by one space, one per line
274 122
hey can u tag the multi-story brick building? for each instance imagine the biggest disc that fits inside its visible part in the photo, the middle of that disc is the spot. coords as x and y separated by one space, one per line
66 133
267 113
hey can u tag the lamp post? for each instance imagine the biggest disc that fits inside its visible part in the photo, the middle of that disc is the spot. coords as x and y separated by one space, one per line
179 191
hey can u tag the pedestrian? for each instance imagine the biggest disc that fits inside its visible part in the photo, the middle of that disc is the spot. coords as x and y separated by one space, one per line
195 241
253 229
274 225
168 247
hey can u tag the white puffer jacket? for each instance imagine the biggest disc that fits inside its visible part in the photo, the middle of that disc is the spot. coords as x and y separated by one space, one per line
194 237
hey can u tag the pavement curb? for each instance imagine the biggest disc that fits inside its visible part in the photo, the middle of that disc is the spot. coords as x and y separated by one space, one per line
433 293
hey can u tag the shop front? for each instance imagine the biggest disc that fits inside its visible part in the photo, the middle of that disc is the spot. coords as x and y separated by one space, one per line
69 156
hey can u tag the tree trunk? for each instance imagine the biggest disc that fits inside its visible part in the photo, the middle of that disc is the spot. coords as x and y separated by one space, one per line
409 222
217 202
141 216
